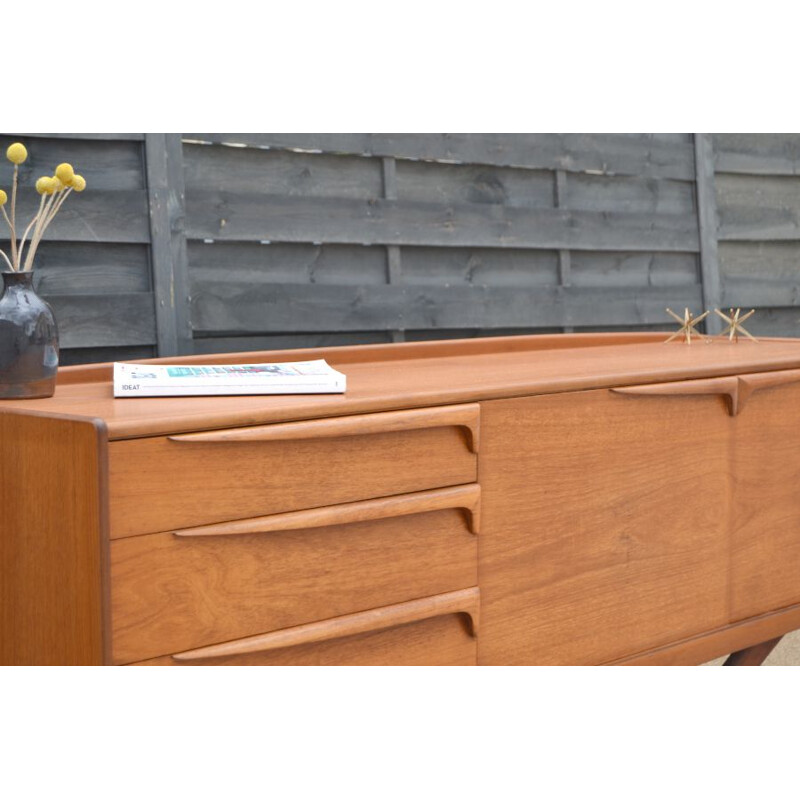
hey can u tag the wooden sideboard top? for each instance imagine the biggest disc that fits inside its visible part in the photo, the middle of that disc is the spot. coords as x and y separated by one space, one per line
386 377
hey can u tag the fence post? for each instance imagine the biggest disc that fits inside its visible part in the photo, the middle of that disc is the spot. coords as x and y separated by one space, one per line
392 250
708 226
564 256
166 199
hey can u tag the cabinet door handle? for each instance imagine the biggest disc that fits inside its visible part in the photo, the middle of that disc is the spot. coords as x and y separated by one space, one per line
464 601
737 388
466 497
728 387
463 416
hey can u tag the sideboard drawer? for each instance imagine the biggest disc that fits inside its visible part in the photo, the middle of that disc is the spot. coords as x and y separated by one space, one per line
433 631
168 482
174 591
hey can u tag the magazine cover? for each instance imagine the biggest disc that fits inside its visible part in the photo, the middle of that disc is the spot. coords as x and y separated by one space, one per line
163 380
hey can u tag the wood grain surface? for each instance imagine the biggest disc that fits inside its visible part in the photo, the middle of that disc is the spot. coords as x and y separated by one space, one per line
441 641
604 525
466 417
173 593
765 544
464 601
719 642
52 541
617 527
381 378
467 498
157 484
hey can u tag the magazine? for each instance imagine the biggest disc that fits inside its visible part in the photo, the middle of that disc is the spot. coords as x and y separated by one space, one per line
165 380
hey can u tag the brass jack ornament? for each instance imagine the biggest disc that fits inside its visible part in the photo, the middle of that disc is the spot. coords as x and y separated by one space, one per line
735 326
687 323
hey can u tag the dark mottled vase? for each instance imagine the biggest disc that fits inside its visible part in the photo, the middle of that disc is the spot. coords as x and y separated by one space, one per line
28 340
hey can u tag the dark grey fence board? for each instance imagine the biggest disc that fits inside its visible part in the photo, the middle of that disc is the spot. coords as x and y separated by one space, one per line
741 292
107 165
758 153
245 262
86 320
88 355
97 216
137 137
758 208
449 184
761 260
629 194
606 153
233 344
220 215
634 269
90 267
774 322
436 266
248 171
225 308
427 335
775 226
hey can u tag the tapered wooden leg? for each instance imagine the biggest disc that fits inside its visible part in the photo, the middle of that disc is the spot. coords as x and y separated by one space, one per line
752 656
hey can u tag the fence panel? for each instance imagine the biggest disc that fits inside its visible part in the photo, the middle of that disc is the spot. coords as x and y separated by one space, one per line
758 196
94 265
307 238
210 242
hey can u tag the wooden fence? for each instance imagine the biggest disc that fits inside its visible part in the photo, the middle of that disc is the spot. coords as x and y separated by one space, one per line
209 242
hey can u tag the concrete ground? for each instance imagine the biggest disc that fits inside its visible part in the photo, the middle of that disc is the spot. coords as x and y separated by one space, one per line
786 654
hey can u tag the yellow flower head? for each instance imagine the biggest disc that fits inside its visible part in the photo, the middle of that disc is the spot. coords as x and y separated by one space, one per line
57 184
16 153
3 198
65 173
78 183
45 185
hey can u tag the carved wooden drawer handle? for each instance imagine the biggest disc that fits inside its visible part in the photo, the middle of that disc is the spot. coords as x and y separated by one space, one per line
737 388
464 416
467 497
464 601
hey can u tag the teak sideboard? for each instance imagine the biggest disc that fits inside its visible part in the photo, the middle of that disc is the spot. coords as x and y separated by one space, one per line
565 499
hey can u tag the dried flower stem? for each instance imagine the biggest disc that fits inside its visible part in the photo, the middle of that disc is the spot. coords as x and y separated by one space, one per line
55 201
36 235
27 230
7 261
57 207
13 222
13 260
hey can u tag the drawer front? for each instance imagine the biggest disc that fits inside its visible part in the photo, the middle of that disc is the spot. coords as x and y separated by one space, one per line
174 592
163 483
446 639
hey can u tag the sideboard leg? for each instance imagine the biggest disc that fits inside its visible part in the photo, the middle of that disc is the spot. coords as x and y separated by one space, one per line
752 656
